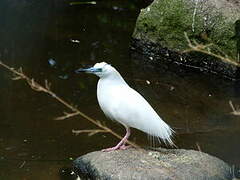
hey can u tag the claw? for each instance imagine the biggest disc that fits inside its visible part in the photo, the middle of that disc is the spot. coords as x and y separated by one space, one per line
121 144
110 149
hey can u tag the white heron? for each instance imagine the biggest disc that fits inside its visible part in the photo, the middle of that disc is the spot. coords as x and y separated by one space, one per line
123 104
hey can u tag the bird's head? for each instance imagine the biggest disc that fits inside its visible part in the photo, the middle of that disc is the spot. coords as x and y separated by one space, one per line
101 69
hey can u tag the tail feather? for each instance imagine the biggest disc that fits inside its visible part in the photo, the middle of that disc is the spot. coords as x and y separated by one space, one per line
162 132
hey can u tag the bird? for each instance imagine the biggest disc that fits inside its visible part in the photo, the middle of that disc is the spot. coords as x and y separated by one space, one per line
119 102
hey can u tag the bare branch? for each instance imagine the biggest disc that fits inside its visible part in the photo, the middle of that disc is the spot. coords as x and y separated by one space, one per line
37 87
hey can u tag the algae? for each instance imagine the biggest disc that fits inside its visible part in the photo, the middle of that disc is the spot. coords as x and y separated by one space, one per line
165 21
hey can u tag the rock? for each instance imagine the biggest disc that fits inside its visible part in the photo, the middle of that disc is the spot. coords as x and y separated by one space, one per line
160 28
163 164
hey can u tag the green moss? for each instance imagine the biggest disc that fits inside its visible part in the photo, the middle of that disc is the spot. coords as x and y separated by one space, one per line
165 22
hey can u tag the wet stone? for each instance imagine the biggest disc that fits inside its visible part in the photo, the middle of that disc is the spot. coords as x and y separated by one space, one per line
147 164
159 56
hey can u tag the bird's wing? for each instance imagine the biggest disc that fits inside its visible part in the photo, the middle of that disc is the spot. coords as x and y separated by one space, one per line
130 108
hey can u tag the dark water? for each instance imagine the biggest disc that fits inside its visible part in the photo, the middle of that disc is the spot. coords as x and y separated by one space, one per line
50 39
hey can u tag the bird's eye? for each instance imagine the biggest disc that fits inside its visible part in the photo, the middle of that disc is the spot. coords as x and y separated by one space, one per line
99 70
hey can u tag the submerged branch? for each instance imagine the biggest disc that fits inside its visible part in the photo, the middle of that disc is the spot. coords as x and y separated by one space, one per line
90 132
46 89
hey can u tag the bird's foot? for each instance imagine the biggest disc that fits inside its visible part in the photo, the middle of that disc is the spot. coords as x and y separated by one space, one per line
110 149
123 147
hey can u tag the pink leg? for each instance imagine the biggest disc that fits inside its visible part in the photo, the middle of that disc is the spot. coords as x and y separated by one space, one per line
123 147
121 144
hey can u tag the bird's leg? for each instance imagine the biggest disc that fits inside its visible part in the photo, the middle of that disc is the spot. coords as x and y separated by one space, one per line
121 144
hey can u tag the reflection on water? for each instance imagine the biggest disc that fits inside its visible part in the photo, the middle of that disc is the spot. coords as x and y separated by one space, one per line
50 39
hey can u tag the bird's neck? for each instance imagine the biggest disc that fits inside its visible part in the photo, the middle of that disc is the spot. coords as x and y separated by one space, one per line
113 79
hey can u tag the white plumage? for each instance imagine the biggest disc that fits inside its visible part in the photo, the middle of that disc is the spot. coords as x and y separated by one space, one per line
121 103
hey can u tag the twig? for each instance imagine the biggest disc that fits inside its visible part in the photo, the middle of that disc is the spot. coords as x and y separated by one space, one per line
235 111
37 87
81 3
90 132
198 147
194 15
201 48
67 115
23 163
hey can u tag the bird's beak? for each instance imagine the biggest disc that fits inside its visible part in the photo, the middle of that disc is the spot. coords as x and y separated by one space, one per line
88 70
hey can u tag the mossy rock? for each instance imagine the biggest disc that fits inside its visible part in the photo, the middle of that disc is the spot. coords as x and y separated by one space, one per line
165 23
